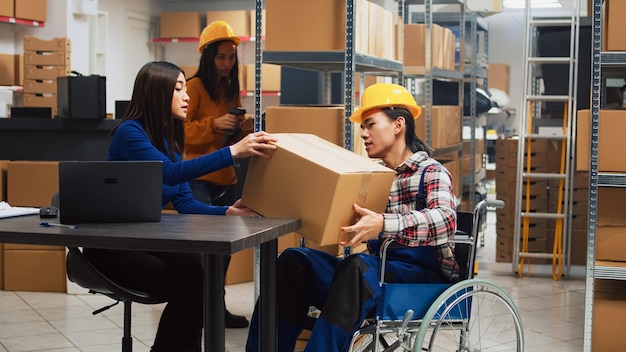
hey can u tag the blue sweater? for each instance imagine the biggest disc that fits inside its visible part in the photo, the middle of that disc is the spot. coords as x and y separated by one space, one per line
131 142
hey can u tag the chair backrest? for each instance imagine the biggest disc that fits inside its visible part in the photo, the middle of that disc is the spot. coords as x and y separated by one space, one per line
81 271
465 244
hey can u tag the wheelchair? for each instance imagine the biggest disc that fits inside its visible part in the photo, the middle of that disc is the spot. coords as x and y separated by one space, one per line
471 315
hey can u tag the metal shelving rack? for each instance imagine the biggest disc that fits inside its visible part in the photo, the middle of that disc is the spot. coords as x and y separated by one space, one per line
474 73
428 73
609 61
348 62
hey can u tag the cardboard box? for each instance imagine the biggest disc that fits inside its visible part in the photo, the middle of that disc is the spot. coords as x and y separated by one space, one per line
611 141
442 49
32 183
7 9
45 72
305 25
609 315
3 179
326 122
317 181
180 24
41 100
614 26
44 86
8 70
454 168
56 44
610 206
35 10
241 267
47 58
445 126
34 270
270 78
611 243
500 77
189 71
382 34
238 20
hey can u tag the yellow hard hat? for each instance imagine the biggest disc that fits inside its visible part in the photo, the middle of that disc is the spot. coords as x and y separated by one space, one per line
214 31
382 95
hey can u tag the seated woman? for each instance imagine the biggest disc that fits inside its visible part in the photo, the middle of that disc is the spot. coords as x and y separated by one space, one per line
152 129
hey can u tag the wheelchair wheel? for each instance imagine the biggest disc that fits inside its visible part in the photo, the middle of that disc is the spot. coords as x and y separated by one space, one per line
471 316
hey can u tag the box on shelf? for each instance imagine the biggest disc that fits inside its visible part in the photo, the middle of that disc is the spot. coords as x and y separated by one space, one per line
7 9
454 168
180 24
309 25
9 69
611 243
613 26
611 141
40 86
41 100
317 181
324 121
238 20
47 58
499 77
45 72
32 183
381 38
442 47
270 77
35 10
445 126
609 314
56 44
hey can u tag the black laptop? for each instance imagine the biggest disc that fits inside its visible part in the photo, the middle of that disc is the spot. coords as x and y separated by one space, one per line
109 191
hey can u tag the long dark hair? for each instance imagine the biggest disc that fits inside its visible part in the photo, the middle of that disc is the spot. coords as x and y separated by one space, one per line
151 103
413 142
209 77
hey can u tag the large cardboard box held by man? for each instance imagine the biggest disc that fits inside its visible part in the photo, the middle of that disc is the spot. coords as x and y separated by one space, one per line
317 181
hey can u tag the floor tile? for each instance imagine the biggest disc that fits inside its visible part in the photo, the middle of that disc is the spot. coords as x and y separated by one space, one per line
552 312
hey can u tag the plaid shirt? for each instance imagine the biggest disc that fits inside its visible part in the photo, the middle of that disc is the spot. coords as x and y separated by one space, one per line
433 225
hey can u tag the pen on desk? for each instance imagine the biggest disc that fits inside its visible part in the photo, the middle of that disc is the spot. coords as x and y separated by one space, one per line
50 224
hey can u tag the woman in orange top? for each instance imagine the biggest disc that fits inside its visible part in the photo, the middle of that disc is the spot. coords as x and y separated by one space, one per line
213 90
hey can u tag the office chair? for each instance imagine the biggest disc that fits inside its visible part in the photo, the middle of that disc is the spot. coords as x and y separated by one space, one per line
82 272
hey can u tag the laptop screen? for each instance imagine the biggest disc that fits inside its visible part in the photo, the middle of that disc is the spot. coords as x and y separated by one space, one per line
109 191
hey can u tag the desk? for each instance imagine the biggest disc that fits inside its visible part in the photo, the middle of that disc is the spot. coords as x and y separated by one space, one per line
213 236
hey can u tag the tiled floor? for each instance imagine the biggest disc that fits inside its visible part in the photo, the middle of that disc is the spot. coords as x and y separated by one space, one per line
552 313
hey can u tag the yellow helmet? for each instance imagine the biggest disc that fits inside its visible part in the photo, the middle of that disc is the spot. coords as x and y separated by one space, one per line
214 31
382 95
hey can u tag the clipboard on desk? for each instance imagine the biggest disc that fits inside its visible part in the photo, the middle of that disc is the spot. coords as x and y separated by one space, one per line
7 211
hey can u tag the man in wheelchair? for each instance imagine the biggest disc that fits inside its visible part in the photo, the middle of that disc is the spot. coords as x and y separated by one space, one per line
420 218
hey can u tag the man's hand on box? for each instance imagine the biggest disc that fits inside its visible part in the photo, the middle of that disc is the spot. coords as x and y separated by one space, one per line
369 225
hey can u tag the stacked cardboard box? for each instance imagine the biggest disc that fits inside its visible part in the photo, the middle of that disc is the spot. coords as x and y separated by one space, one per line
180 24
44 61
33 267
288 22
442 48
534 193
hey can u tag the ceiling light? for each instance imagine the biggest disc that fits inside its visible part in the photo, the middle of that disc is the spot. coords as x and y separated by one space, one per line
520 4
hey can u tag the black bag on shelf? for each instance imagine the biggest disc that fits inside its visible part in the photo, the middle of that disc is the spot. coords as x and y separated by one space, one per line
447 93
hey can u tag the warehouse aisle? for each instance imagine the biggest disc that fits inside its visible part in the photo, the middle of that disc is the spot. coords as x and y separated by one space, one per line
552 313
